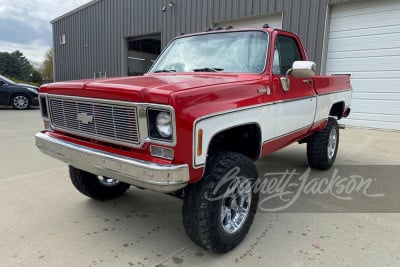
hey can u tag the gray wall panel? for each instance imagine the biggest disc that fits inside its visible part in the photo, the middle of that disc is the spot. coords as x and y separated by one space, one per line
96 33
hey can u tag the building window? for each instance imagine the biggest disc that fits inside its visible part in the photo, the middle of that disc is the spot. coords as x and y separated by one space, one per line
100 74
62 39
142 52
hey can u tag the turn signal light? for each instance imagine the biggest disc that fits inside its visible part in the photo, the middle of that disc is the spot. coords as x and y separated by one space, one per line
200 142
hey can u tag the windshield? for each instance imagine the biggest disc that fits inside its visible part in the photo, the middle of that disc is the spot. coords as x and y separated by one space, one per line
243 52
6 80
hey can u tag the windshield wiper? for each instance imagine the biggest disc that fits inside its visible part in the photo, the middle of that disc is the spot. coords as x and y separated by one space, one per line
158 71
209 70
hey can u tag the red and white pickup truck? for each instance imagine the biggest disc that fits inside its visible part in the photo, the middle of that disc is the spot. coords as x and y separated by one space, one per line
211 105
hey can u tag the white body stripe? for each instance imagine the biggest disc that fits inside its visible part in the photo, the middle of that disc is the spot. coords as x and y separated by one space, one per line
265 116
325 102
295 115
274 119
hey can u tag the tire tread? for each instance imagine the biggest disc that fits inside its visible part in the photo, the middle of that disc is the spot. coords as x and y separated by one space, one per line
199 214
317 147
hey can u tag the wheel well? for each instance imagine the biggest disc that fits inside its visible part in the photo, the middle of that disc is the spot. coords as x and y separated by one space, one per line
244 139
337 110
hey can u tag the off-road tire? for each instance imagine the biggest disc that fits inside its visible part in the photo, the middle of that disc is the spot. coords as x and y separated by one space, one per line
202 216
89 185
318 146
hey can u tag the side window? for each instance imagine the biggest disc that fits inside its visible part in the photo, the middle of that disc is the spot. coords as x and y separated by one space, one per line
276 66
286 52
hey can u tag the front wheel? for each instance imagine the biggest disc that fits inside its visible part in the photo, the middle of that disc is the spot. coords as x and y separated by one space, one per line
20 102
219 210
97 187
323 146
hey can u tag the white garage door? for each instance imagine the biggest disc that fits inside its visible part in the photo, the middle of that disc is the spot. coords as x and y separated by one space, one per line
364 40
273 20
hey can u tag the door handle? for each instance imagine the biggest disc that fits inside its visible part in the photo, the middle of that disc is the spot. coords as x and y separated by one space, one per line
266 90
309 82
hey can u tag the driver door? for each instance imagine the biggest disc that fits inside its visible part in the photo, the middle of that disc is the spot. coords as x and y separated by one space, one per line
296 106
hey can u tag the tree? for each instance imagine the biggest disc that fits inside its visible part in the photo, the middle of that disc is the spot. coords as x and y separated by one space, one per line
24 66
16 65
47 66
8 66
36 76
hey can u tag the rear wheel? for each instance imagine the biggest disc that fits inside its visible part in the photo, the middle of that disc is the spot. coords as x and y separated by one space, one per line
323 146
97 187
219 210
20 102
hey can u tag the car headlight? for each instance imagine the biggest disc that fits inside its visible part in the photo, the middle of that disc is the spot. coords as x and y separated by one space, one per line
164 124
32 90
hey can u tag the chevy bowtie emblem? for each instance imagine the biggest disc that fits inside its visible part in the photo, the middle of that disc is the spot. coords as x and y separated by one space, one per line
85 118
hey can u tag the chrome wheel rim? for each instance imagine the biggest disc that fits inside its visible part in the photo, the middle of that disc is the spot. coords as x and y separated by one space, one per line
21 102
236 205
108 181
332 143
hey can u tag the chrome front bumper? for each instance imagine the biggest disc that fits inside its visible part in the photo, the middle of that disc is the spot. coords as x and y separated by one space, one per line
149 175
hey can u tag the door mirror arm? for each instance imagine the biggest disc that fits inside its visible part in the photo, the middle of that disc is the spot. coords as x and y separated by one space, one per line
285 81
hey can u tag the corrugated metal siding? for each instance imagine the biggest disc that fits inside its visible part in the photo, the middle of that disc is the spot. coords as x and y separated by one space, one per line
105 25
92 42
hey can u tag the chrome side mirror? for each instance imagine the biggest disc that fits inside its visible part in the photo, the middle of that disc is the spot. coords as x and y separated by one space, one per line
304 69
300 69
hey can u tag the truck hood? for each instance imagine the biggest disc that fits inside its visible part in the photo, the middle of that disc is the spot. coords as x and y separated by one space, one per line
154 88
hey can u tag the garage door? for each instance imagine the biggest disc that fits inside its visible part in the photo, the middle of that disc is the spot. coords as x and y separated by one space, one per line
364 40
274 21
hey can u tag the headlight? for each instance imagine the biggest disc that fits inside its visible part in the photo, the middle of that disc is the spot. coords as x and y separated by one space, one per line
164 124
160 124
43 107
32 90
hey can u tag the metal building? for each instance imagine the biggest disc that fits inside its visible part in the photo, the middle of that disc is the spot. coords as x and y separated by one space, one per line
107 38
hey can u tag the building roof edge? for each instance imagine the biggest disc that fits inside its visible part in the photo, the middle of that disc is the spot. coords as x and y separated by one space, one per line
76 10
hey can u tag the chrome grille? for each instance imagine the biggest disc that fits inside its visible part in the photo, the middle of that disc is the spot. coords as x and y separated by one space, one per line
109 122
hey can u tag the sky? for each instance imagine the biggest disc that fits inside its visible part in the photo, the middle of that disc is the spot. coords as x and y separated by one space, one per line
25 25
